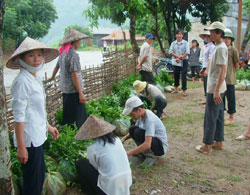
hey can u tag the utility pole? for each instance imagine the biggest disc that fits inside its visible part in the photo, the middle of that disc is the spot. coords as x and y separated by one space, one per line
239 24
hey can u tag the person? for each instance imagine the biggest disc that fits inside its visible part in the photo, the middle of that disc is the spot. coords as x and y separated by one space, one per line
71 81
150 94
179 50
105 44
216 87
28 104
194 60
107 170
245 136
233 62
243 64
145 60
243 53
149 133
207 56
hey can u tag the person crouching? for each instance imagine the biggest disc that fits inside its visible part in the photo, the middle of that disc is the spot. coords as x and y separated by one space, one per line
149 133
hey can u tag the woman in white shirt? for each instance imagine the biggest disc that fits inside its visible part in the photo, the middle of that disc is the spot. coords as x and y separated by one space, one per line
107 169
28 104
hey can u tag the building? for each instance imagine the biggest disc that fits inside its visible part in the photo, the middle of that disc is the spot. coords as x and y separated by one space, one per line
117 38
99 33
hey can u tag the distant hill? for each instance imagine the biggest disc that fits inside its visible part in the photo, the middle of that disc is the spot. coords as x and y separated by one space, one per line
70 12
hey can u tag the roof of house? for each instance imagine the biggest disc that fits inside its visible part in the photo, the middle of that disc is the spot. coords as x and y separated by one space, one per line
118 35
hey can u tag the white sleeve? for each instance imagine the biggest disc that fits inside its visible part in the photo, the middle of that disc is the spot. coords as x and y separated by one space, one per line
19 101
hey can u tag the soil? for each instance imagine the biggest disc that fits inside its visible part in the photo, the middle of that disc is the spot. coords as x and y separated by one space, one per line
183 170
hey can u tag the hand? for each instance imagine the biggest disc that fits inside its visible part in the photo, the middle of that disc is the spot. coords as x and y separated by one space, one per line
217 98
202 72
82 98
54 132
129 153
138 67
205 73
178 60
22 154
123 139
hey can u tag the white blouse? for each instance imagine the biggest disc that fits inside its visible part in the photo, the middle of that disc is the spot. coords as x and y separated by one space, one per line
28 104
112 163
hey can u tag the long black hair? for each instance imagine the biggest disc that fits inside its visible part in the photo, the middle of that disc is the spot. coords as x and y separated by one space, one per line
109 137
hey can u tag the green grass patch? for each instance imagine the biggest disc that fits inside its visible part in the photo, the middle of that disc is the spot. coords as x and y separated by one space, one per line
233 178
191 85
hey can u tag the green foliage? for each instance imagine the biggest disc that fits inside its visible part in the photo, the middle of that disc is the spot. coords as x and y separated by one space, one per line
59 116
28 18
242 75
246 6
164 79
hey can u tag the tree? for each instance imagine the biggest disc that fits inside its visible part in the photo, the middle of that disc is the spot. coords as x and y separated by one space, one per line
5 163
246 7
117 12
28 18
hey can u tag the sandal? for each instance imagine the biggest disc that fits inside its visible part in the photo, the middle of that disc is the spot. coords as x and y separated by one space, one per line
242 138
199 149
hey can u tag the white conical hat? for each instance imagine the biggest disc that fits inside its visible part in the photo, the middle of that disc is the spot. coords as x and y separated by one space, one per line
72 35
202 35
27 45
94 128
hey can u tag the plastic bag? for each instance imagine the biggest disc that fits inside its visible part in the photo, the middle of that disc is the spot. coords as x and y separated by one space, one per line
122 126
241 86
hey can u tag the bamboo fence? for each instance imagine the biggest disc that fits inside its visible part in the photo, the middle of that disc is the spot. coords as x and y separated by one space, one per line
98 80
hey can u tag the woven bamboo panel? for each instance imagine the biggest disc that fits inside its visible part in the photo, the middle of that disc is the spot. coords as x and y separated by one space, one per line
97 81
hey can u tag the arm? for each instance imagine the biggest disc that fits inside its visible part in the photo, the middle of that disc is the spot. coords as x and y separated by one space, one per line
126 137
221 78
54 72
76 82
53 131
206 71
236 65
22 153
141 148
141 62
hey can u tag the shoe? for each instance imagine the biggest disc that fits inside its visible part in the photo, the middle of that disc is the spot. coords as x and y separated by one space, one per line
199 149
228 122
149 161
242 138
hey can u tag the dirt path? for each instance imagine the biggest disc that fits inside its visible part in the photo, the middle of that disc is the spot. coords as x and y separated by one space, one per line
185 171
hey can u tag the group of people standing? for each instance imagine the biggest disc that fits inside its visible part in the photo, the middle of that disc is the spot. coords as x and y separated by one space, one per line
107 170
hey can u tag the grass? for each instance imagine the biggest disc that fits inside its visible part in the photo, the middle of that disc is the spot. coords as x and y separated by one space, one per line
233 178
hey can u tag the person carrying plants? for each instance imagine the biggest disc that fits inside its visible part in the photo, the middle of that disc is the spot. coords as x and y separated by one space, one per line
30 118
179 51
145 60
216 87
233 63
209 48
71 81
107 170
151 93
149 133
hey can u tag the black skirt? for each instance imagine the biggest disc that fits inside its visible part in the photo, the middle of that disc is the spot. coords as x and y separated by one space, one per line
73 111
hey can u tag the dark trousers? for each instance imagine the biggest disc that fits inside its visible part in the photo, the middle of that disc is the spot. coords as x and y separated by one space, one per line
147 76
160 104
34 171
231 100
205 84
195 69
183 71
73 111
213 121
138 135
88 177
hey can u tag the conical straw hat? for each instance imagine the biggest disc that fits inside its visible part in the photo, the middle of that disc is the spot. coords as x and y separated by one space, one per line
27 45
94 128
72 35
202 35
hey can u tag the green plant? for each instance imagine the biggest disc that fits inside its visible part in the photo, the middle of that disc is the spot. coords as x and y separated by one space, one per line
59 116
242 75
164 79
